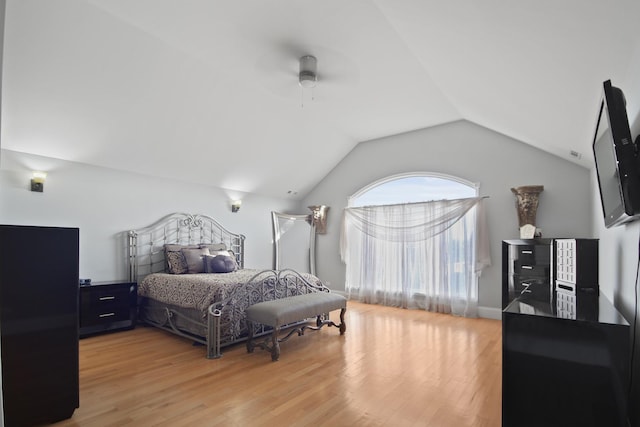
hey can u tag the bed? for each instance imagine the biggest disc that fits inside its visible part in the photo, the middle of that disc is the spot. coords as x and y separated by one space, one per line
205 307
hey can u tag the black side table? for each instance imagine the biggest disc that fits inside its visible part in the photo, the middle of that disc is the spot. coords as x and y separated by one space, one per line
108 306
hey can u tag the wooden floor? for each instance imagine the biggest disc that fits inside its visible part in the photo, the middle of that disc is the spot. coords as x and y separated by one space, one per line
393 367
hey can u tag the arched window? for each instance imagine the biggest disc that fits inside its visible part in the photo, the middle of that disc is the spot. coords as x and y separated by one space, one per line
410 240
413 187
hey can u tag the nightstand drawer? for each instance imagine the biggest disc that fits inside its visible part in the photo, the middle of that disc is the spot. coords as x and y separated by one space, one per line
104 296
105 316
107 306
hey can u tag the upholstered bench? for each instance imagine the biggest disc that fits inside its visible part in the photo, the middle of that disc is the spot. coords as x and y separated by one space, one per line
282 313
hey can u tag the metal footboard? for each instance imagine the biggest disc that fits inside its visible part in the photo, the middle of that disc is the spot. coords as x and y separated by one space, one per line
229 315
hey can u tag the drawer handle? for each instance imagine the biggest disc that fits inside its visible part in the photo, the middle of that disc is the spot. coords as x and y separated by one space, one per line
106 298
107 315
527 252
527 267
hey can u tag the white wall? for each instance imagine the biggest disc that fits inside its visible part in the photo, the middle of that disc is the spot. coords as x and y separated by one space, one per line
474 153
619 246
105 203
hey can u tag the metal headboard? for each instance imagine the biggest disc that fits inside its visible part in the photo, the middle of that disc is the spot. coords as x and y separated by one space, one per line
146 245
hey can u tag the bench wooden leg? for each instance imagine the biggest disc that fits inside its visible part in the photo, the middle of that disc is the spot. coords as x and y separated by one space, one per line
275 345
250 344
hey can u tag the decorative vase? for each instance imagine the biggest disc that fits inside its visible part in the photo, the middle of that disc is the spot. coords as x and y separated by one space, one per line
527 198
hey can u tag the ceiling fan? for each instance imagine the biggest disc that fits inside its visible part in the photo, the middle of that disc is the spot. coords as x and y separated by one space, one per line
280 68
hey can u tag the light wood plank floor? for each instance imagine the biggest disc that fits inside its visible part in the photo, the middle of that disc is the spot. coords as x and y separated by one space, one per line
393 367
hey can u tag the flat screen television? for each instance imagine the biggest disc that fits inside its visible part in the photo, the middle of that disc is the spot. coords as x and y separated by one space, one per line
616 160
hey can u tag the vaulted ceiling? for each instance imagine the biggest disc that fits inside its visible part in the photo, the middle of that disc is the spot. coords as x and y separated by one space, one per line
207 90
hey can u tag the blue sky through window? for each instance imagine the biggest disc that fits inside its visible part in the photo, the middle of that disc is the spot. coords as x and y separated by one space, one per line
413 189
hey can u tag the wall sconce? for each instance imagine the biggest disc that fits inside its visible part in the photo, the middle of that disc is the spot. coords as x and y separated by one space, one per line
235 205
319 217
37 181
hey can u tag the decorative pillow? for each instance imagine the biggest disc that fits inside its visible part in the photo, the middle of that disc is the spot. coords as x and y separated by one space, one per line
177 263
220 262
195 259
214 246
175 260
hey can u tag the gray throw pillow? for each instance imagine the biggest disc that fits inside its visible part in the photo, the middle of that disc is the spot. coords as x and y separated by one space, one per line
195 259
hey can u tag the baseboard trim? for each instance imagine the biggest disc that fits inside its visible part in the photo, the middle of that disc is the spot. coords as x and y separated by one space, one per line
484 312
490 313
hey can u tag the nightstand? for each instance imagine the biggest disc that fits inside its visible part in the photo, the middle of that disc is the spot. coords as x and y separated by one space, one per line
108 306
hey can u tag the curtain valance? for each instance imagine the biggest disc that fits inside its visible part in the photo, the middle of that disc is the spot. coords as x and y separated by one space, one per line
415 222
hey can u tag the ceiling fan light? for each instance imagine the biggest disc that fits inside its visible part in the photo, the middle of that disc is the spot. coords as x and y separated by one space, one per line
307 79
308 71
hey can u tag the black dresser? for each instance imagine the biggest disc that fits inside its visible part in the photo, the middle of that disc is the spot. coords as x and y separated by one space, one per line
107 306
565 348
39 323
558 371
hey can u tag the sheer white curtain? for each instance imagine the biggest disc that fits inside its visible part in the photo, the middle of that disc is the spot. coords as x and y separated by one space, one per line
425 255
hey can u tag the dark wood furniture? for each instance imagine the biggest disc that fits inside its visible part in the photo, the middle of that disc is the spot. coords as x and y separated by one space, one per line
107 306
565 348
564 372
39 323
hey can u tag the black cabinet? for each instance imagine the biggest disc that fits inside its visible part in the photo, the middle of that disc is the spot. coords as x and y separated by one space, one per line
565 348
39 323
558 371
107 306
